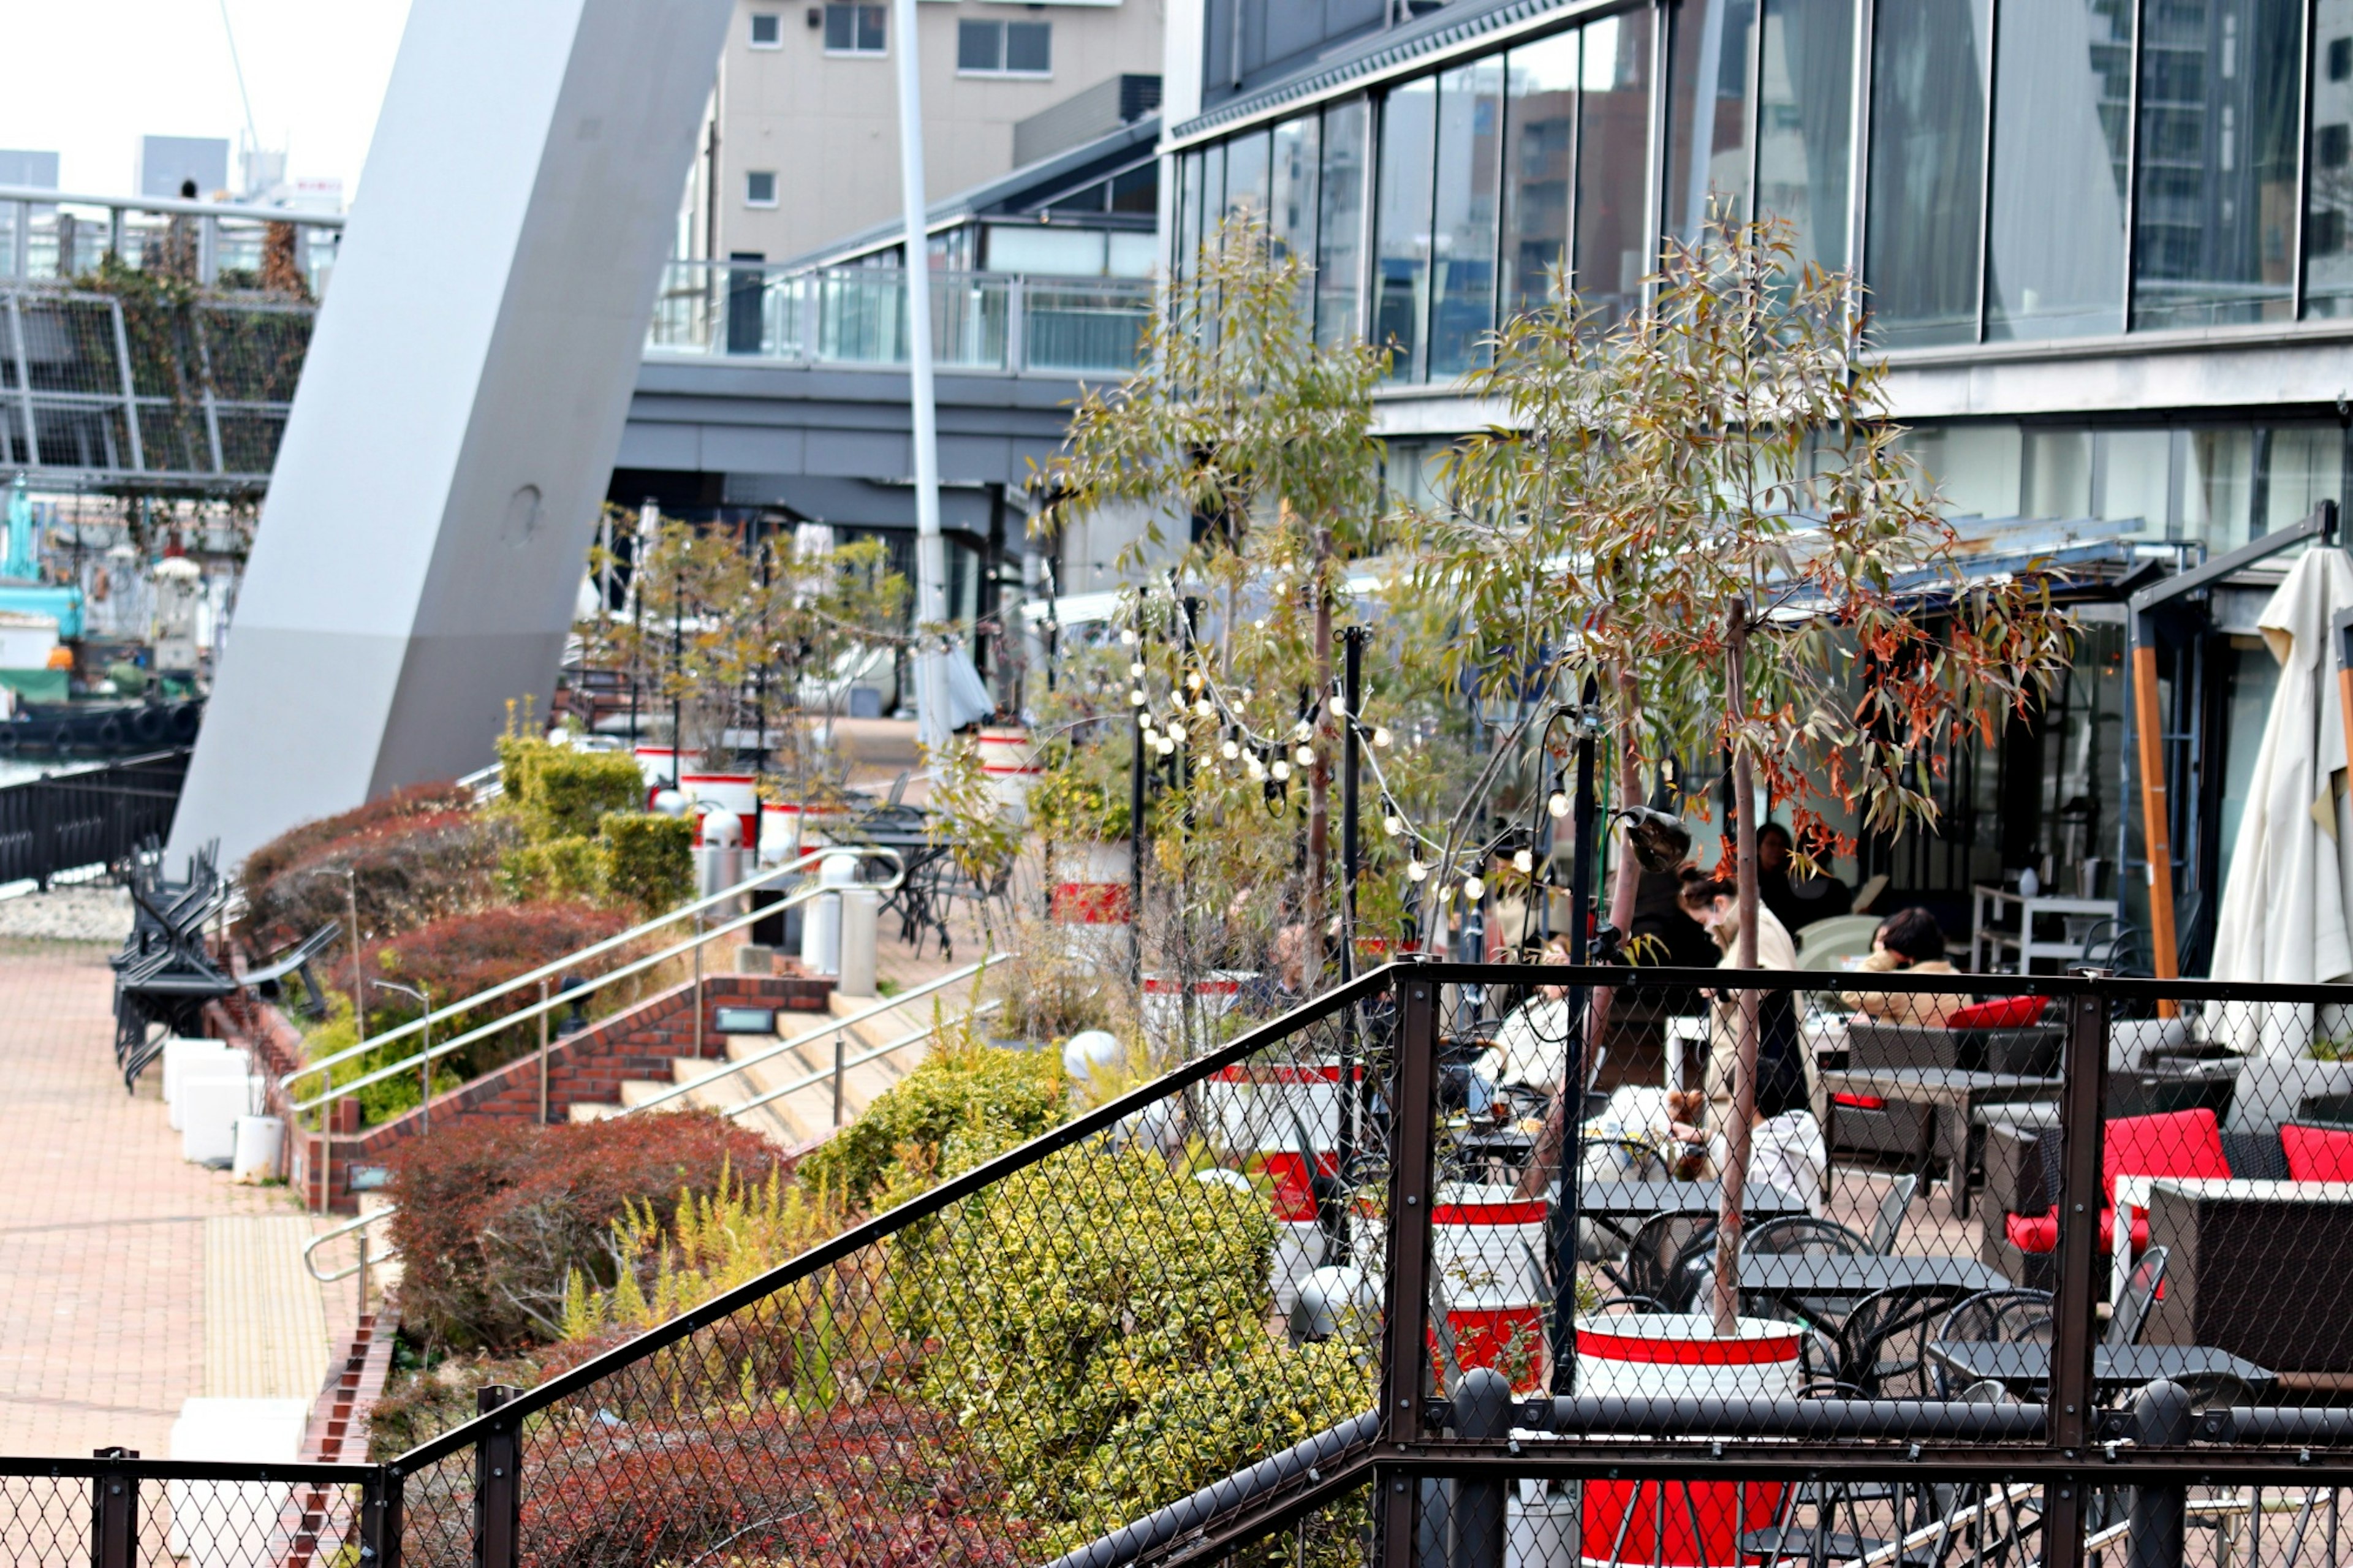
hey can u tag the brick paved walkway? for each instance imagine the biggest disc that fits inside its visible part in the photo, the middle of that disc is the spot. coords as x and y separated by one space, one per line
101 1223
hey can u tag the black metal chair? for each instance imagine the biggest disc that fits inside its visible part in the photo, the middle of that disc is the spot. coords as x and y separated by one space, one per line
1661 1259
1991 1317
1884 1341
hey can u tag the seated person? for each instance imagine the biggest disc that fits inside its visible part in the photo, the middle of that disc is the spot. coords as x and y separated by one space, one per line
1796 901
1907 942
1785 1068
1534 1041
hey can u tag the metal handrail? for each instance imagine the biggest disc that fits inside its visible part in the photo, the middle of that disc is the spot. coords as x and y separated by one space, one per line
766 877
551 1001
911 1038
337 1232
840 1026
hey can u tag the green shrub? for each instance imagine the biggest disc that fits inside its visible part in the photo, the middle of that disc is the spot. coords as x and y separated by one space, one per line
572 868
649 858
1099 1325
1080 798
967 1103
561 792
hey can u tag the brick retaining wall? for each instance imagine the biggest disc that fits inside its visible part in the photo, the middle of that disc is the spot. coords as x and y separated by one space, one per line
587 1068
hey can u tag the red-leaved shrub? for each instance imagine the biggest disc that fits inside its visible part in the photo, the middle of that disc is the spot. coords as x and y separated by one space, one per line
411 858
459 956
495 1216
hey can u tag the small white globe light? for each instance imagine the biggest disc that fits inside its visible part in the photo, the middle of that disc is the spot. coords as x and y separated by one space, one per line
1557 805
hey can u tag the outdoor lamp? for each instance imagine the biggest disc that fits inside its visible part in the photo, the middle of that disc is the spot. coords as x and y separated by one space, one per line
1282 770
1393 825
1381 736
1473 889
1521 862
1557 805
1136 669
1229 751
1167 744
1136 698
1302 730
1127 636
1416 869
1204 707
1305 755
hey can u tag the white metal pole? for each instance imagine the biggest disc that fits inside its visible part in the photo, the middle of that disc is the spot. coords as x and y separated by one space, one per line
931 555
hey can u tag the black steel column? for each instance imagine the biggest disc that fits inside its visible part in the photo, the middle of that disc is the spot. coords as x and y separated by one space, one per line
2081 1257
1405 1350
114 1513
1352 688
498 1487
1482 1413
2161 1419
380 1499
1561 1239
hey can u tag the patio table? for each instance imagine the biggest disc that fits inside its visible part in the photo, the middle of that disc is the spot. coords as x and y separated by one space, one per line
920 849
1621 1206
1952 1092
1796 1278
2024 1366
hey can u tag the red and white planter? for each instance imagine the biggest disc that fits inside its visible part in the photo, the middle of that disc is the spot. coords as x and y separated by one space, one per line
789 830
1010 763
1255 1112
1092 883
658 767
735 792
1697 1524
1212 997
1487 1246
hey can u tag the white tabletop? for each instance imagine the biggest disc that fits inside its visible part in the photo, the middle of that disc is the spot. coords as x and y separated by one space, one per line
2133 1195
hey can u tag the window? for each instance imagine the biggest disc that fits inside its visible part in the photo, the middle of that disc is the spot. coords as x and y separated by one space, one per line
1708 114
1339 224
853 29
768 30
2331 146
1804 86
1005 49
2340 59
1401 224
1613 223
1462 224
760 188
1927 171
1539 153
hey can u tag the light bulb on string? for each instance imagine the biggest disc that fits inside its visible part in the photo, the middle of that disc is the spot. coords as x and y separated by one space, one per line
1204 707
1381 736
1229 751
1256 769
1523 862
1340 706
1136 670
1136 698
1473 889
1167 744
1127 636
1417 871
1282 770
1557 805
1151 735
1306 756
1302 730
1393 825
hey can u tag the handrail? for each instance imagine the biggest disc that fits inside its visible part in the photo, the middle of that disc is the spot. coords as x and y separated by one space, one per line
839 1025
766 877
551 1001
343 1229
913 1037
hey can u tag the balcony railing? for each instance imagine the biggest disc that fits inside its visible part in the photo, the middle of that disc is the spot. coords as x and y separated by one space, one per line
981 321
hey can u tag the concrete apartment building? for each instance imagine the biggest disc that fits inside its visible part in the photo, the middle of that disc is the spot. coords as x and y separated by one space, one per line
801 145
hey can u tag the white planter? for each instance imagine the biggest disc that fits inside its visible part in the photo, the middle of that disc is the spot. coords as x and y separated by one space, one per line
181 1053
1091 884
227 1525
258 1141
656 766
735 792
1212 997
1010 764
211 1100
1488 1247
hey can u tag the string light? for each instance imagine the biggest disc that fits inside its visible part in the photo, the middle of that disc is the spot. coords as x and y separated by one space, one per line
1229 751
1393 825
1256 769
1557 805
1302 730
1381 736
1523 862
1306 756
1282 770
1167 744
1340 706
1136 670
1205 707
1416 869
1473 889
1136 698
1127 636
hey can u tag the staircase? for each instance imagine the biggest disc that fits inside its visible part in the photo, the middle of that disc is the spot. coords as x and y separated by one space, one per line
808 1115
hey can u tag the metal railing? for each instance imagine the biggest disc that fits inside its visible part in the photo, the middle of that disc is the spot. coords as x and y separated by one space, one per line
90 817
841 1065
58 235
839 1029
554 972
989 322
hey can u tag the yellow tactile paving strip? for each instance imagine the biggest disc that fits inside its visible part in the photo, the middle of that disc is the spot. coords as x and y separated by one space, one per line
265 1327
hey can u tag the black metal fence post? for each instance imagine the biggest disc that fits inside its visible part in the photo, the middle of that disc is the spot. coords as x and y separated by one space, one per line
113 1513
380 1498
2083 1091
1482 1413
2162 1418
1405 1359
498 1489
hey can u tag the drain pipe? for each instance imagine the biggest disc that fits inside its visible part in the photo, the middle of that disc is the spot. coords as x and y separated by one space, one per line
1158 1529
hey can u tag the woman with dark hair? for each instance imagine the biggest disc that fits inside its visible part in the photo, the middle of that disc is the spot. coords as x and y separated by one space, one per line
1782 1070
1907 942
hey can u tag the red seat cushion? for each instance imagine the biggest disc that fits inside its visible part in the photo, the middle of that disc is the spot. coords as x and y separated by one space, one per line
2317 1153
2039 1232
2001 1012
1858 1101
2179 1143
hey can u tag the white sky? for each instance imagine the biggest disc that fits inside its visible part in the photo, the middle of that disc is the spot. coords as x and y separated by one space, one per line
87 79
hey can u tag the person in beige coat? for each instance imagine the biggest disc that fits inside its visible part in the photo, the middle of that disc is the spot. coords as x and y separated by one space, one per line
1907 943
1785 1068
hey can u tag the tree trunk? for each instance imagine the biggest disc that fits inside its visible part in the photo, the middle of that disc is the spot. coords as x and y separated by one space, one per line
1625 875
1319 783
1735 1174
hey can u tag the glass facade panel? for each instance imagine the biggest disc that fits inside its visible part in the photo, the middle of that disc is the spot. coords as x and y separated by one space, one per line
2302 466
1929 69
2136 469
2217 486
1213 192
2215 219
1613 235
2058 474
1975 467
1246 178
1805 123
1187 207
1462 231
2062 96
1401 224
1340 225
1539 162
2329 203
1708 114
1291 213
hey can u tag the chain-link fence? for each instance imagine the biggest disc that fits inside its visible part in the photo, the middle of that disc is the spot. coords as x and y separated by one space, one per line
117 1509
1848 1268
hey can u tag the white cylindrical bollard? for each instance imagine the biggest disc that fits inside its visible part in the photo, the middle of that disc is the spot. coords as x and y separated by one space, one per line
821 934
860 908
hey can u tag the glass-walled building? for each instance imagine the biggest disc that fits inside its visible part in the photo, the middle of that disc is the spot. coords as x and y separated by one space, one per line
2107 245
